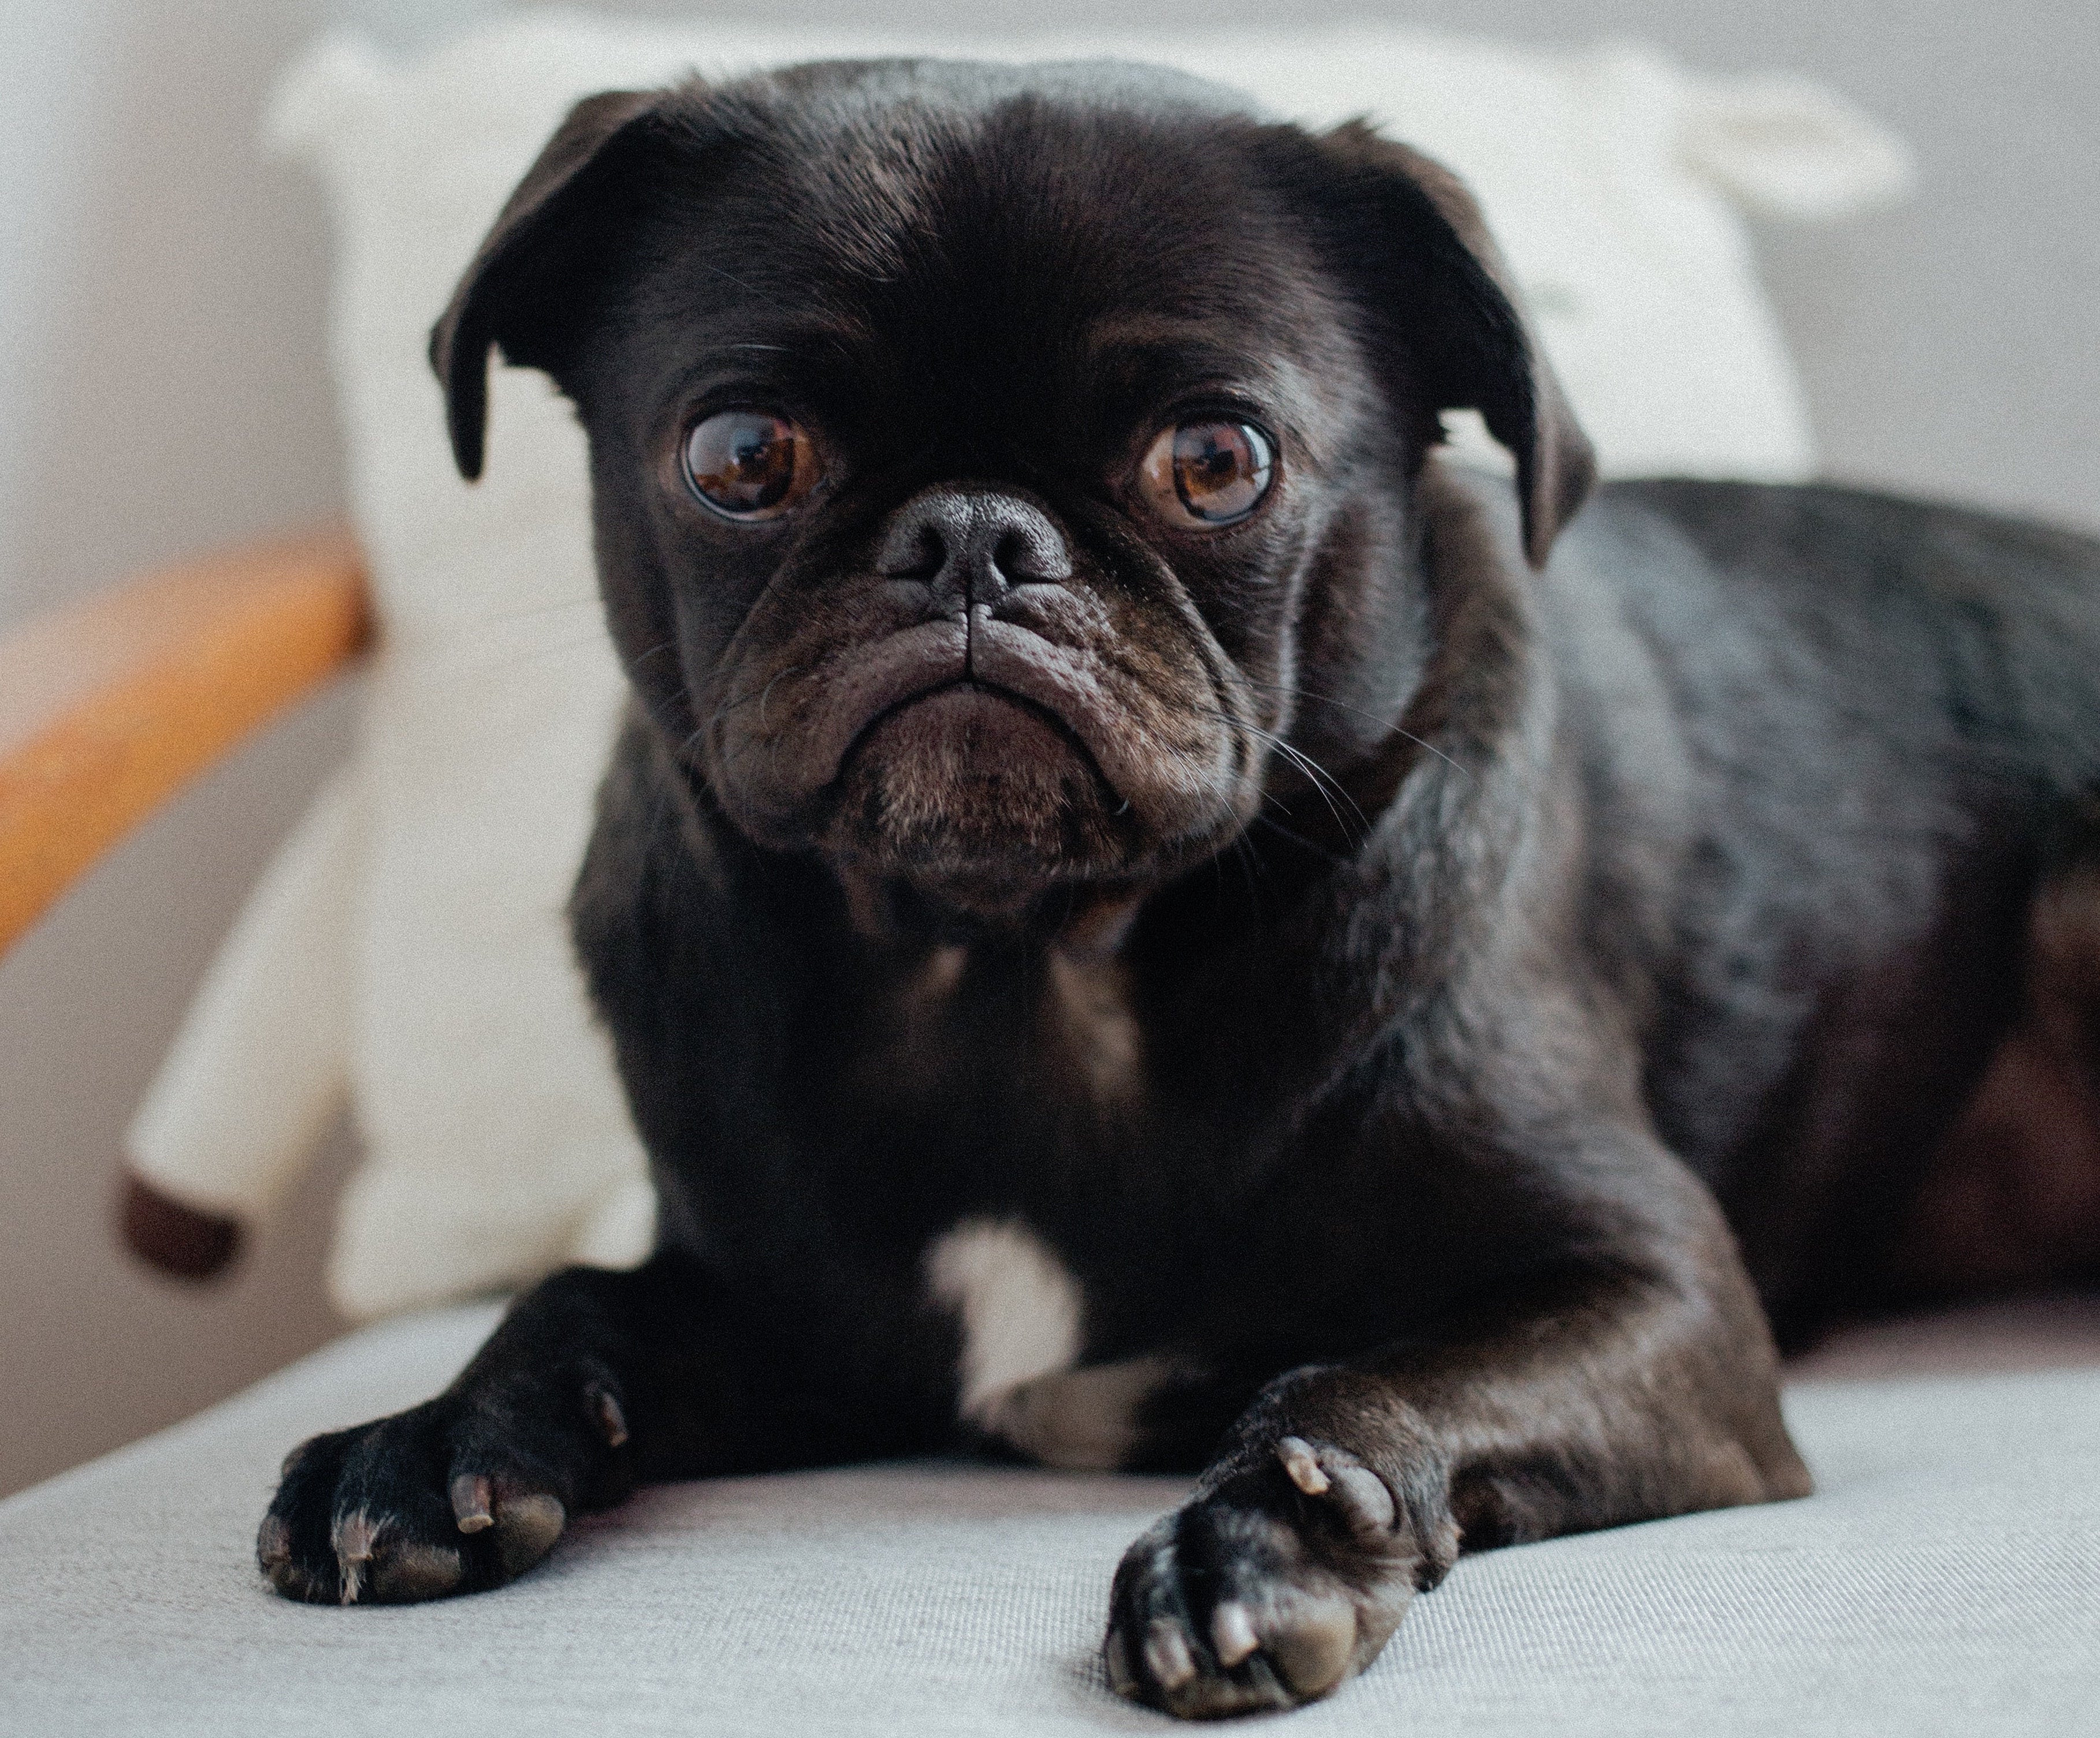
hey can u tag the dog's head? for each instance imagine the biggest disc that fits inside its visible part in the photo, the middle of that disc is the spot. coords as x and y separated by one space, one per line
1002 475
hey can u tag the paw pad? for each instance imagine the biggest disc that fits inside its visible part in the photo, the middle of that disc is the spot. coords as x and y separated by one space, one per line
1264 1591
416 1507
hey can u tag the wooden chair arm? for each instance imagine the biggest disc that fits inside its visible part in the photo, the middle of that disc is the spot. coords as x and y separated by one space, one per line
110 707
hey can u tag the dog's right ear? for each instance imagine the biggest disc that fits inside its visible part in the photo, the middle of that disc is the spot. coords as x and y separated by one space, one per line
1412 240
523 289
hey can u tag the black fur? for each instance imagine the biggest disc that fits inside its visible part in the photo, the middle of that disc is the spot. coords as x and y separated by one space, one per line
1374 967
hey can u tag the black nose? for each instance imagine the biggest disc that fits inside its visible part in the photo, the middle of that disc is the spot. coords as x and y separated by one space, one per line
971 547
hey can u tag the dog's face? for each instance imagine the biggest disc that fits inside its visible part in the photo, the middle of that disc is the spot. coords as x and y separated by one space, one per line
1000 473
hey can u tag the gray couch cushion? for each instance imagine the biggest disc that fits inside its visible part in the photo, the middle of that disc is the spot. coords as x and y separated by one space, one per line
1946 1578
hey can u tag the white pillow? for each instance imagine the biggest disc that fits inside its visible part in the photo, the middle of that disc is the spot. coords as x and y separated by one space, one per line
407 946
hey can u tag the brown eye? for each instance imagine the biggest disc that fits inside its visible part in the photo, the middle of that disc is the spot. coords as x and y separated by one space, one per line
1208 473
749 464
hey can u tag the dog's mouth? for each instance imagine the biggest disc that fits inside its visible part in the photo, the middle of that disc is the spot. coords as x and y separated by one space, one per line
981 750
918 707
965 778
980 719
922 765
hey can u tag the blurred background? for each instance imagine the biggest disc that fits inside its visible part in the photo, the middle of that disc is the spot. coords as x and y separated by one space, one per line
163 390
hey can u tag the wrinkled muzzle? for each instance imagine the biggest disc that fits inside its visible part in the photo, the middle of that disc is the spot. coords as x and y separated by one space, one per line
983 697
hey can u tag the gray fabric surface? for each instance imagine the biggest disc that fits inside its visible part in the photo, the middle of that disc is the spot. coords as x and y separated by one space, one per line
1946 1579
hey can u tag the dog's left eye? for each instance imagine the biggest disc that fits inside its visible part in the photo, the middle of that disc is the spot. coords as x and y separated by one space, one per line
1208 472
749 464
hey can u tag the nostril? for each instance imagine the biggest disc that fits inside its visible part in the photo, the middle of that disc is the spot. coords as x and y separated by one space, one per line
930 556
970 546
919 552
1032 553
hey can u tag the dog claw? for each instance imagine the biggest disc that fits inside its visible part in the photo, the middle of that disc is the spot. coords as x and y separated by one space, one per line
1301 1465
526 1528
611 1420
1115 1657
1168 1654
1233 1633
273 1543
354 1537
1362 1496
469 1495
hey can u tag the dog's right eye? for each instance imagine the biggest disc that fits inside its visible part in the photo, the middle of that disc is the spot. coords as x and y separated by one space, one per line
1207 473
749 464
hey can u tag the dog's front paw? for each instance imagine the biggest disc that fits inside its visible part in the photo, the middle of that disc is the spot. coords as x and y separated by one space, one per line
1269 1587
450 1497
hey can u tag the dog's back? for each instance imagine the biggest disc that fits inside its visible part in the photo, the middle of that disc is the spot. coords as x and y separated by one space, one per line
1889 715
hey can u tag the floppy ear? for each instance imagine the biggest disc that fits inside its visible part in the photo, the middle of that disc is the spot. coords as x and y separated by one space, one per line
1415 241
521 292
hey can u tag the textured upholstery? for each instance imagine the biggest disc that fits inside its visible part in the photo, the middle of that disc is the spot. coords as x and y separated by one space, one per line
1945 1579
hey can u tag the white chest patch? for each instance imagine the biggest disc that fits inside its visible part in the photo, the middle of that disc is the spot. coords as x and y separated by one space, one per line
1019 1308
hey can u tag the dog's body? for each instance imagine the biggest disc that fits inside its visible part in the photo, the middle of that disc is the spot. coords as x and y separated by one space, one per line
1280 992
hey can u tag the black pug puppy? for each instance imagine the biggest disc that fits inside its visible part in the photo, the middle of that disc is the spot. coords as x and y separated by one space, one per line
1146 925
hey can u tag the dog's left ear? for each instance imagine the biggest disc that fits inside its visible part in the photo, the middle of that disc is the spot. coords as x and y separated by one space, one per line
1411 240
523 290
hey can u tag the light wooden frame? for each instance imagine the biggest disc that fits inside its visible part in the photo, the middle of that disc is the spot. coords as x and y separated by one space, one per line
110 707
